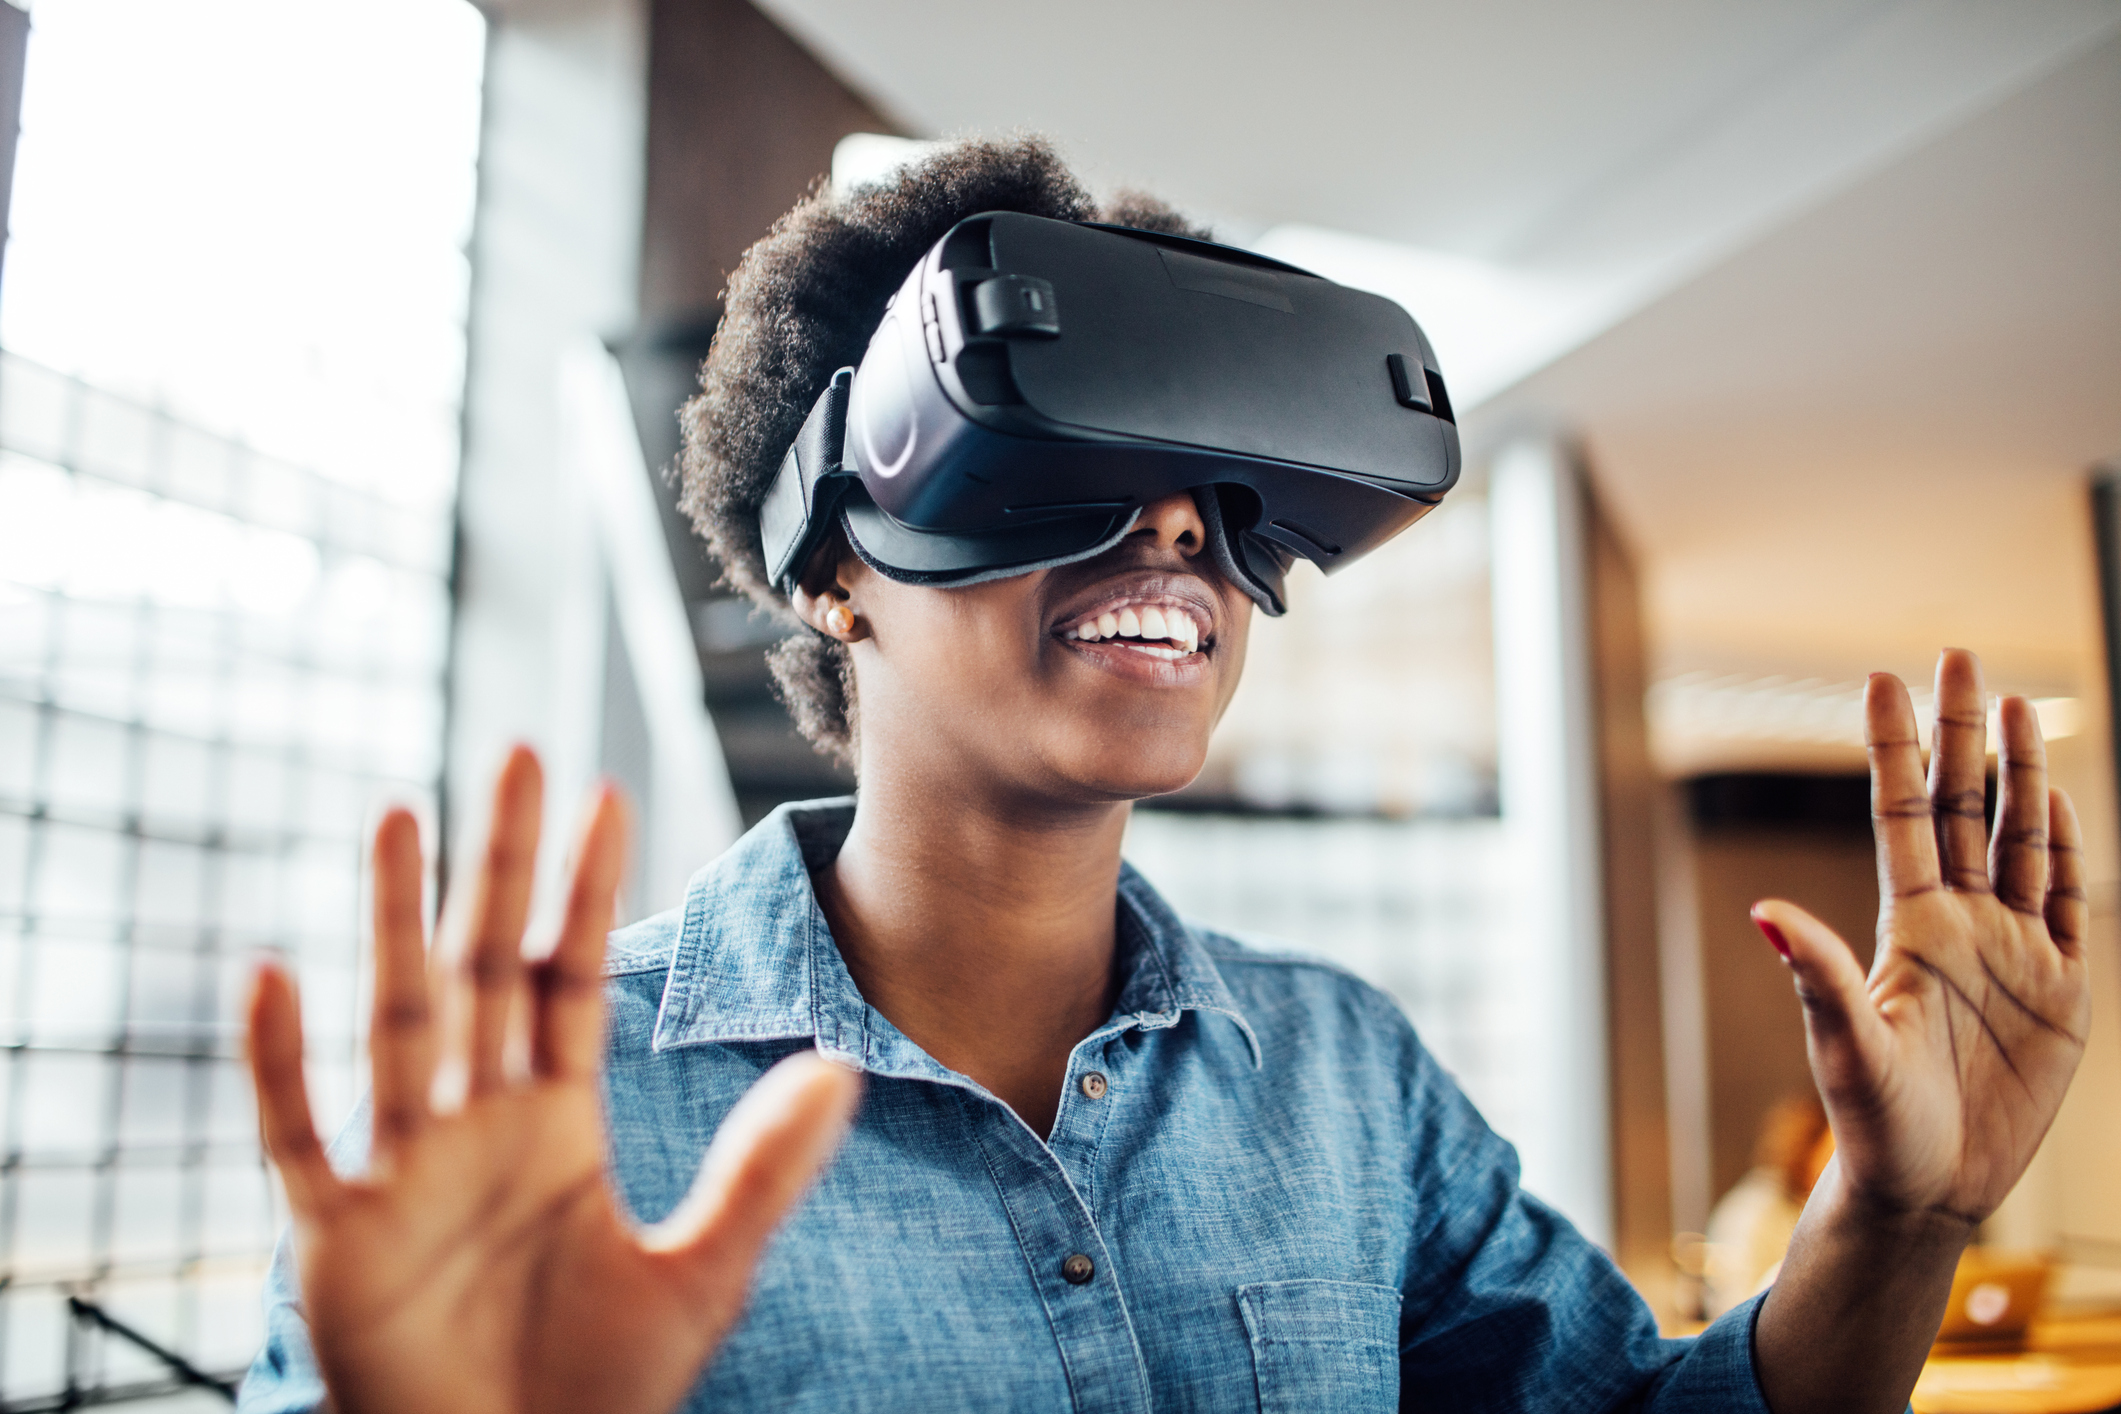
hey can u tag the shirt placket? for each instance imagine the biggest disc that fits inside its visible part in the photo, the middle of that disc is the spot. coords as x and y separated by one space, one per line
1088 1096
1064 1252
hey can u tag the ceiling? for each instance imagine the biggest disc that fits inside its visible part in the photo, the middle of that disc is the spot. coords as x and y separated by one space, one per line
1829 290
1513 130
1865 434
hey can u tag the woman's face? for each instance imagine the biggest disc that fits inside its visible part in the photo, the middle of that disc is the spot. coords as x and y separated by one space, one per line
1094 682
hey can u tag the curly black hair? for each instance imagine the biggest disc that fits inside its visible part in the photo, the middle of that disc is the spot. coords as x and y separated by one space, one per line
802 304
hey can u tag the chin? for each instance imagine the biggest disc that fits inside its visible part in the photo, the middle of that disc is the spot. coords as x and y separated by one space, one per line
1138 780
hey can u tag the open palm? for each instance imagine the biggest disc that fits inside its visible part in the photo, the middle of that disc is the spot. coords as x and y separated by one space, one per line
483 1263
1943 1069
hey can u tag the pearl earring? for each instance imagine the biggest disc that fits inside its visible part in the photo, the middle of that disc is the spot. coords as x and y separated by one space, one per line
839 621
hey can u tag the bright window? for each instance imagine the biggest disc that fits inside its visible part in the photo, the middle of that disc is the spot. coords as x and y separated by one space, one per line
233 311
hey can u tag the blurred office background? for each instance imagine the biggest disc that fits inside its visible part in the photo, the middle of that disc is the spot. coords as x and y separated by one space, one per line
339 348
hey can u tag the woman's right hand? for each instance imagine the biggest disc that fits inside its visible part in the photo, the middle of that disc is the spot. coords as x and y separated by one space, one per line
483 1263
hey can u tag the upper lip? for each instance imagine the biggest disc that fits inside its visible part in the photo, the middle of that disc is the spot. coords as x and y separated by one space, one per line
1188 591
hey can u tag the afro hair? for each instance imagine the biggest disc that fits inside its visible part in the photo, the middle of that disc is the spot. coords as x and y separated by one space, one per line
801 305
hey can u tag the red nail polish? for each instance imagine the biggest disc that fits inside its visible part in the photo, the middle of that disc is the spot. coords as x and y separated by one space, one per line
1773 935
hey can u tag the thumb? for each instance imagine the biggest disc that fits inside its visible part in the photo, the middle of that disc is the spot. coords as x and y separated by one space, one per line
773 1144
1840 1021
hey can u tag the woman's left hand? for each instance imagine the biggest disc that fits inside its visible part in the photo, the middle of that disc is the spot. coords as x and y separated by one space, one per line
1942 1070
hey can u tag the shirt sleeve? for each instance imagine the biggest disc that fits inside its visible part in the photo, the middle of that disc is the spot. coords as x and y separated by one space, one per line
1507 1307
284 1379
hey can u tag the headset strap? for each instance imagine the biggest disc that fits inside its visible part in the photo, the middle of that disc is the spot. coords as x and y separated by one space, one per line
801 507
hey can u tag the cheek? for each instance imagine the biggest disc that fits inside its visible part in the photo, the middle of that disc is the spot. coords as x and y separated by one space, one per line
954 659
1232 651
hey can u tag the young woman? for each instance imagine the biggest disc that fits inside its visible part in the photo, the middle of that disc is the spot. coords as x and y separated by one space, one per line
1089 1157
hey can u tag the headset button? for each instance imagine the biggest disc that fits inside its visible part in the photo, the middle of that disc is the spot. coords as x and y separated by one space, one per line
1410 382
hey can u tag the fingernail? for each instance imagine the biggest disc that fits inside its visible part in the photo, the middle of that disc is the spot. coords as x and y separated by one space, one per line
1774 935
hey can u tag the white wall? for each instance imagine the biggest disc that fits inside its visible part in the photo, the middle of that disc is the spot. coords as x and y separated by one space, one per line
555 261
1548 768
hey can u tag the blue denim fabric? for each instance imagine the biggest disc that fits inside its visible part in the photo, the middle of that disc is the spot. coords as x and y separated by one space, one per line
1287 1204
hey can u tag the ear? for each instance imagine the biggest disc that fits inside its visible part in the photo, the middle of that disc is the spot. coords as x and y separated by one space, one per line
824 593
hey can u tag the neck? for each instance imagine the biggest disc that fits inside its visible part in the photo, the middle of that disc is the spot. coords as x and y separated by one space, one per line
984 930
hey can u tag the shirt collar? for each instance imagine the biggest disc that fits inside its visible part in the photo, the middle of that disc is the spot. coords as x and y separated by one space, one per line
755 960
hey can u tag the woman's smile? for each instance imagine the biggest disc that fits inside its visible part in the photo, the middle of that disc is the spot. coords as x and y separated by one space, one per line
1154 626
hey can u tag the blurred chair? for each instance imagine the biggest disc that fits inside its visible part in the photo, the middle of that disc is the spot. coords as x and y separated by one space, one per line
1750 1229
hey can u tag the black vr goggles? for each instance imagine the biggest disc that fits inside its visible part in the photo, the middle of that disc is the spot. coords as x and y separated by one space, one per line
1035 382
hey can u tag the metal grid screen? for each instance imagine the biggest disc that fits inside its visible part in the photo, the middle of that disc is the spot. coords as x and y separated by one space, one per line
212 664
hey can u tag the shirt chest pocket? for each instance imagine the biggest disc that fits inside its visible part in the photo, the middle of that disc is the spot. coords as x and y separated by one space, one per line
1323 1345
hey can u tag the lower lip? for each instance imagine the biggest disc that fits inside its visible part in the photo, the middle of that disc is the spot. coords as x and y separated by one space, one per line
1137 666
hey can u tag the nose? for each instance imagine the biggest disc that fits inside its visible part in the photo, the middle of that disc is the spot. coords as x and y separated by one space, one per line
1172 523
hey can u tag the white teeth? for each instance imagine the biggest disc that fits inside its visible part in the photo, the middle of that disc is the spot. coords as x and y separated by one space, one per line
1167 631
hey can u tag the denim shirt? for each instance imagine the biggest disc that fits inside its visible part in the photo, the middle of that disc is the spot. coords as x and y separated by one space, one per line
1274 1200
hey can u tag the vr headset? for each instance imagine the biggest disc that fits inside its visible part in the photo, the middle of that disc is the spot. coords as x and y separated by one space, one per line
1035 382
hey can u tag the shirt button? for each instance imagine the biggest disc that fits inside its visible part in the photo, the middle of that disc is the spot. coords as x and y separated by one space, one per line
1078 1269
1093 1084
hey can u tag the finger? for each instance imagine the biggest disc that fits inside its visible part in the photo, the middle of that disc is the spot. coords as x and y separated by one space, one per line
567 1039
1900 802
2017 855
401 1042
2069 912
769 1149
486 936
1959 771
1843 1029
275 1024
